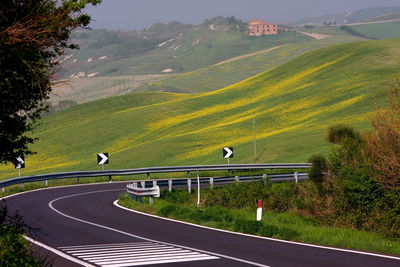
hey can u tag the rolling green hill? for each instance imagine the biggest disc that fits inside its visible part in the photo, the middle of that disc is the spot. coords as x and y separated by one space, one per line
391 16
113 53
293 106
379 30
201 80
371 12
355 16
221 75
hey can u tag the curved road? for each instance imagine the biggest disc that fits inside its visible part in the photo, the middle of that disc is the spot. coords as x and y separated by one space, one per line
82 222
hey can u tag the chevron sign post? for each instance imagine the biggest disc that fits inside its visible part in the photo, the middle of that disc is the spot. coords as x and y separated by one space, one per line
227 153
19 164
102 158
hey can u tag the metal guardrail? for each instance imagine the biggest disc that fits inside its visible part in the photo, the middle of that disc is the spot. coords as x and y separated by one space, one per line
284 177
148 171
151 188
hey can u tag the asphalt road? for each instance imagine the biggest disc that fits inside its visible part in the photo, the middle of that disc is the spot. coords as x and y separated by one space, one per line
81 221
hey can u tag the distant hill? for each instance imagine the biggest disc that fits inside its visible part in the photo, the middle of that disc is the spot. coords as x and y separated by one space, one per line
360 15
339 18
378 30
164 48
204 79
387 17
293 106
368 13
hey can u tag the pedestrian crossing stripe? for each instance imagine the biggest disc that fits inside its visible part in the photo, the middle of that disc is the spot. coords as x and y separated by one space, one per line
134 254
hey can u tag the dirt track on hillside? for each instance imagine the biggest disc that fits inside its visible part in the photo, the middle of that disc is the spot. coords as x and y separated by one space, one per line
248 55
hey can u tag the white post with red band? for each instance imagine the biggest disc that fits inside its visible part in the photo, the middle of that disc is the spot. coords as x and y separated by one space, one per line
259 210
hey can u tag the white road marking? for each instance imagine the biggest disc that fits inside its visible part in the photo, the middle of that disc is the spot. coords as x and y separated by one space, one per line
139 237
57 252
138 253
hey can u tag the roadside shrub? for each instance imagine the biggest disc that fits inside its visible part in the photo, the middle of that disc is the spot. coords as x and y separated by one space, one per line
385 218
383 142
175 196
14 249
281 196
318 167
237 195
340 134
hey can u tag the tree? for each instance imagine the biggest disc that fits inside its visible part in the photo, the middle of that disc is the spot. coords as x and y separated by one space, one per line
383 143
33 34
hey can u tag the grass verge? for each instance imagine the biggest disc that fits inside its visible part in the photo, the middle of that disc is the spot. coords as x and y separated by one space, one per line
180 205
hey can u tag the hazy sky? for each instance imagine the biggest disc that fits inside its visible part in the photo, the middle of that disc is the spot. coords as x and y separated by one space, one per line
139 14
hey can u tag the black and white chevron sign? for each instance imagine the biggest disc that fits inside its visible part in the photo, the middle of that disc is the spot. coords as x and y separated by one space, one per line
102 158
227 152
19 162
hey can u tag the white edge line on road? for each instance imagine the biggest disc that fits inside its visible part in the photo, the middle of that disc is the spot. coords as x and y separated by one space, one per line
63 186
255 236
139 237
59 253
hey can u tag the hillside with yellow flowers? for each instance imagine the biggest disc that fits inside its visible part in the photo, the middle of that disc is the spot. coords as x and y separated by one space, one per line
290 107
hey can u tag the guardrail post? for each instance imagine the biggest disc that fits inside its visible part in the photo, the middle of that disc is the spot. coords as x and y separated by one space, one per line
46 183
77 180
151 200
296 177
169 185
265 177
211 182
3 189
148 176
188 173
189 184
237 179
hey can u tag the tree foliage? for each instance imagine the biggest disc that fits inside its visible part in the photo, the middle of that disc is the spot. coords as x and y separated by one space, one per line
33 33
318 167
14 249
383 143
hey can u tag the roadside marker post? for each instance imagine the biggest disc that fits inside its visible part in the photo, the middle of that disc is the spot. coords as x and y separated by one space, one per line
189 184
19 164
102 158
259 210
198 189
169 185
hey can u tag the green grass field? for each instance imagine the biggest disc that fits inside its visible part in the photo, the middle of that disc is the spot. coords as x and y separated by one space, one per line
293 106
221 75
205 79
382 30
